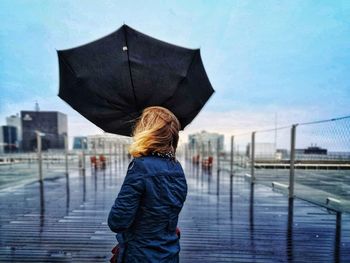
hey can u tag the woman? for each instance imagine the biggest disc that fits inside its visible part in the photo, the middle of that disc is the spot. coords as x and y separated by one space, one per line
145 213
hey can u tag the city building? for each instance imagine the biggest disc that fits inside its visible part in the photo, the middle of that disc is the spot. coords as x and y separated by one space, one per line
206 142
8 139
52 123
315 150
311 152
282 154
15 121
80 142
263 151
103 142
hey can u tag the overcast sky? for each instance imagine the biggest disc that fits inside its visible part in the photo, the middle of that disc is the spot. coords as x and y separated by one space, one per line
262 57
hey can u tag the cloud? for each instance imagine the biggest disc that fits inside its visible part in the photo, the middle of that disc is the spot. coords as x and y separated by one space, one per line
290 58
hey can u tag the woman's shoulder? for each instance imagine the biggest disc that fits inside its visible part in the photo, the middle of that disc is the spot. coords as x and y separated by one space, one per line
136 164
153 163
141 163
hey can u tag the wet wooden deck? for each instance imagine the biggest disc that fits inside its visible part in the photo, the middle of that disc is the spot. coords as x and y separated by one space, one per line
65 221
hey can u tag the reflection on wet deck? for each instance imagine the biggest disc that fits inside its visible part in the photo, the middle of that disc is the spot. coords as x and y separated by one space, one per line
230 220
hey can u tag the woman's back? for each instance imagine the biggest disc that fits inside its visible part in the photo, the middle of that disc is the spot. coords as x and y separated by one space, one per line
145 213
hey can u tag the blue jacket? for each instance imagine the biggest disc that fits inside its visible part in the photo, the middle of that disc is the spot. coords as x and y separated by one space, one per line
145 213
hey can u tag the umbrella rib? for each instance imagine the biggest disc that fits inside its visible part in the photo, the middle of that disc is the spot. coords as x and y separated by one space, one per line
127 52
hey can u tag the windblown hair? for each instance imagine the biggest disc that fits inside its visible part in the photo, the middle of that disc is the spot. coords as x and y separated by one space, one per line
157 129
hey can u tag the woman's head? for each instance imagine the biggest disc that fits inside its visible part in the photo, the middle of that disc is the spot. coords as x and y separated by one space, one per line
157 129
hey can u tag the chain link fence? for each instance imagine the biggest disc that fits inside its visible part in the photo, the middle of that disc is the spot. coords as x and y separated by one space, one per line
272 156
322 162
310 161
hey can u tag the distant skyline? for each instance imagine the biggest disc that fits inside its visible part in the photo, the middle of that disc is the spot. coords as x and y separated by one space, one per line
262 57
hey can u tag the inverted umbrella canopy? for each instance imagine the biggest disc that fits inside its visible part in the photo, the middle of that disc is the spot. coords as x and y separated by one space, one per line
111 80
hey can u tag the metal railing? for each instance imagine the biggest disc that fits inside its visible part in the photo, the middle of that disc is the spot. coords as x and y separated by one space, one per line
310 160
39 165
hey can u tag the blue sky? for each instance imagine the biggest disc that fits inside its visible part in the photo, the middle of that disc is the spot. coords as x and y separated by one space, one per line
262 57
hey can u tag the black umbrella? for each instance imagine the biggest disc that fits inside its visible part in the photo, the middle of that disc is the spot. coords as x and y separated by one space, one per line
111 80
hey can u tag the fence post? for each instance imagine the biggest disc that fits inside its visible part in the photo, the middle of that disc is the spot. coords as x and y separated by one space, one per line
218 166
110 157
194 150
187 152
119 162
66 152
123 148
209 148
83 157
120 153
292 161
115 156
202 150
252 168
231 156
40 161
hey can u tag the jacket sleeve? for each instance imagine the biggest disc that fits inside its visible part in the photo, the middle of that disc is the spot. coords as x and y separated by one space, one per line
123 211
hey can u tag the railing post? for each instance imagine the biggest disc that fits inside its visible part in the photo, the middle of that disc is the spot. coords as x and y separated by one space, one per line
66 152
292 161
203 153
252 158
338 231
191 147
187 152
231 156
115 157
119 162
110 157
217 155
123 149
120 155
209 148
218 166
40 161
198 156
83 157
194 149
188 147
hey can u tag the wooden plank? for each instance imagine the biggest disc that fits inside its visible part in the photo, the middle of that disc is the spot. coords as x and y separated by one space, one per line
62 222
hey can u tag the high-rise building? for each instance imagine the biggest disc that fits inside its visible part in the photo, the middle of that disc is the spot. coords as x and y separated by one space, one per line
8 139
15 121
52 123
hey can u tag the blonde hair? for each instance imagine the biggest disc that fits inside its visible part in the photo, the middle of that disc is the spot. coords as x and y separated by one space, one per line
157 129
